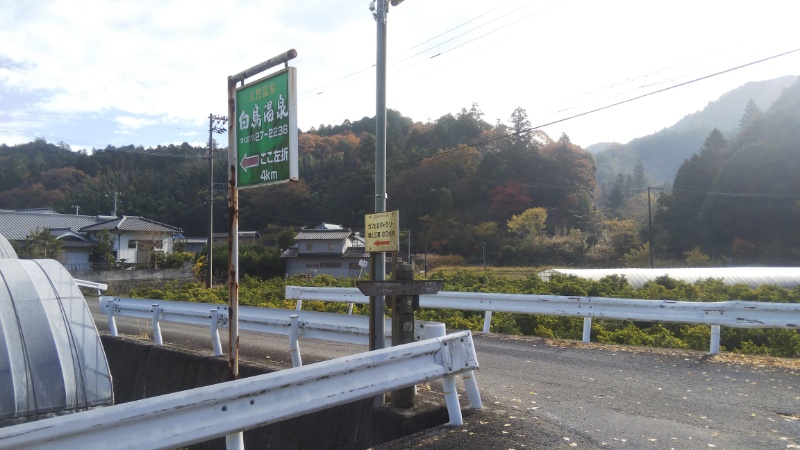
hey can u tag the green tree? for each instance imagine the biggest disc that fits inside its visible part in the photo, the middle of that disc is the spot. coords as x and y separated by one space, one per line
40 244
678 212
751 111
529 224
104 249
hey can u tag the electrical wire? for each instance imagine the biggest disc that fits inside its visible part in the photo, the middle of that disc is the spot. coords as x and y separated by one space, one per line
695 80
315 91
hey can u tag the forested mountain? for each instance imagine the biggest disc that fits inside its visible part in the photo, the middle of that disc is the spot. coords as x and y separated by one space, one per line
663 152
740 198
462 186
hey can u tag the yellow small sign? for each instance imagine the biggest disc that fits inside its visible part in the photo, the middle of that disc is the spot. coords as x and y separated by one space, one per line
382 232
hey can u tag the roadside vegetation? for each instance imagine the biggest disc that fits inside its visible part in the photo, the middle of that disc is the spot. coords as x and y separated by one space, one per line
767 342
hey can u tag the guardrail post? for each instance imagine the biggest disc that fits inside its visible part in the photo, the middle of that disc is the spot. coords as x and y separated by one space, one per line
715 330
587 329
487 322
112 324
468 377
294 345
299 305
234 441
215 342
156 326
451 399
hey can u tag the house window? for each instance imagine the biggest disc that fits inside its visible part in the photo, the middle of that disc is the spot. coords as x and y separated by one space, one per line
132 243
330 246
312 266
330 265
310 246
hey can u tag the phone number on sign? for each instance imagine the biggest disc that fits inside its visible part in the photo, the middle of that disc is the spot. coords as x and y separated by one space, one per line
268 134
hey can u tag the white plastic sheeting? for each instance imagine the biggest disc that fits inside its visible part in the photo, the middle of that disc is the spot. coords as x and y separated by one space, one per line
6 250
787 277
51 357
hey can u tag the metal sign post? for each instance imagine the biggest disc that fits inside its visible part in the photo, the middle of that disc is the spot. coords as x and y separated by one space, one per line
256 136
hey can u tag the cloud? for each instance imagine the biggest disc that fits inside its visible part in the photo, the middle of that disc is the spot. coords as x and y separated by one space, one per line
157 63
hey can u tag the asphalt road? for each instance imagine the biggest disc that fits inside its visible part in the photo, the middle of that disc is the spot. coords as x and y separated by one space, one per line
561 394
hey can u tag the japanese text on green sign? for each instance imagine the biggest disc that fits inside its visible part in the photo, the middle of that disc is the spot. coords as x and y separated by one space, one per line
266 130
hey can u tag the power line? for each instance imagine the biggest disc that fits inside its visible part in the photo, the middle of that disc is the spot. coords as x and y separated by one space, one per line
737 194
533 128
667 88
313 91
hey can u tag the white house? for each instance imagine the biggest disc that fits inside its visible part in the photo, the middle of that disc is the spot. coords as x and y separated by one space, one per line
137 239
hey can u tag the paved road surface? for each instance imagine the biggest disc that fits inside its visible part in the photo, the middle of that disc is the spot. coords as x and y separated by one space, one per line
558 394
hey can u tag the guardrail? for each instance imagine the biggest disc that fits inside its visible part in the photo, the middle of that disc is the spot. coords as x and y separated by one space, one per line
92 285
352 329
315 325
733 313
197 415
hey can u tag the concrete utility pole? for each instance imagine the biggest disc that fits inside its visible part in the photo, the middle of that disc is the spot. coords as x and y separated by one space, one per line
650 224
114 194
377 307
213 122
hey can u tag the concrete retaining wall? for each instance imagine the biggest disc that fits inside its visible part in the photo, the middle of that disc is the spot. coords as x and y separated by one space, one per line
142 370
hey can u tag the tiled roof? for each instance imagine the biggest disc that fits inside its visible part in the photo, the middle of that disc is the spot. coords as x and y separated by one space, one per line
16 226
350 253
290 252
132 223
316 234
355 252
193 240
77 244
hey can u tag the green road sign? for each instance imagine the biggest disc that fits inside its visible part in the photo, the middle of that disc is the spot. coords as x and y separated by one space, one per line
266 130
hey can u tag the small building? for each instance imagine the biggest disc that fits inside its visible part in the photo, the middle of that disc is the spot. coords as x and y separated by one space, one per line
329 249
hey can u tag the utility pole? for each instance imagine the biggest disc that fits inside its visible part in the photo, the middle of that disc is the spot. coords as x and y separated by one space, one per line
409 248
377 306
214 126
650 224
114 195
77 208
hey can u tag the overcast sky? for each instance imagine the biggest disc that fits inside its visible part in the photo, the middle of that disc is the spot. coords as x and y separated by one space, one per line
98 73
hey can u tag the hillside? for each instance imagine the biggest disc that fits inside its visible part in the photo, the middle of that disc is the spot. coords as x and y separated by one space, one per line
663 152
469 189
738 197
